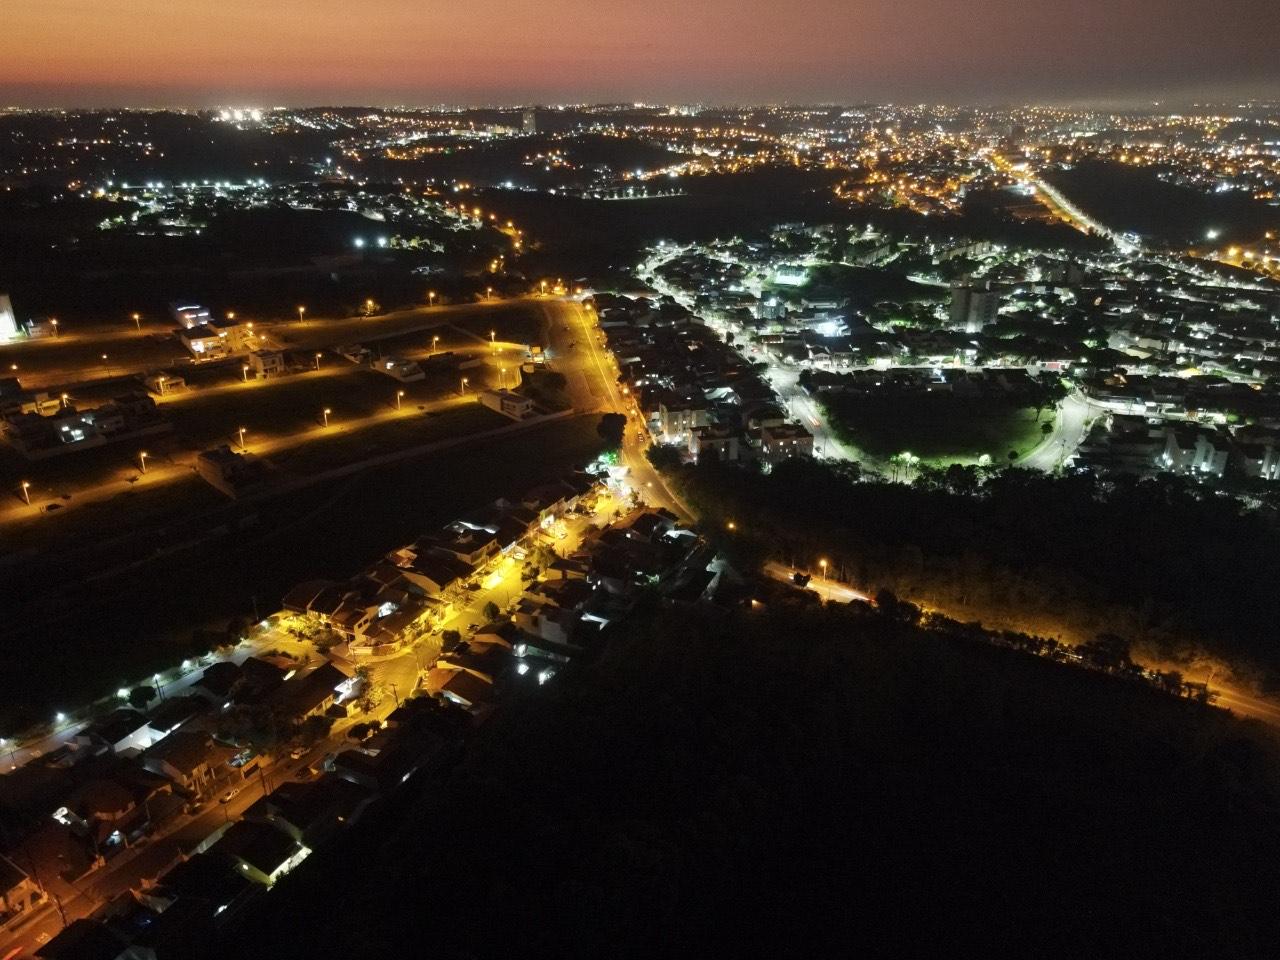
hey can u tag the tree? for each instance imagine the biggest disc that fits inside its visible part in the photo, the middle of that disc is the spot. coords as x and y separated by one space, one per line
611 429
139 697
1046 428
491 611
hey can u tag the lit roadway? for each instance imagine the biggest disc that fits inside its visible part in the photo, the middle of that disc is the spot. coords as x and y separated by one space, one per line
576 350
163 470
1071 425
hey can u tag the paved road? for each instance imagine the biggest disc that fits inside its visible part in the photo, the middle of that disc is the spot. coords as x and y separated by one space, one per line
825 587
577 350
1075 417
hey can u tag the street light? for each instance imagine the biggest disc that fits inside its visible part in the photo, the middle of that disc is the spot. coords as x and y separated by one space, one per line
823 565
464 384
488 293
301 311
137 321
317 359
435 343
142 460
241 432
244 372
327 411
26 491
368 307
431 297
399 397
54 321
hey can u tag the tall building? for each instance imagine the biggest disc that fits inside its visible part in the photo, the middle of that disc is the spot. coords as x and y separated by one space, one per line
973 306
8 322
530 121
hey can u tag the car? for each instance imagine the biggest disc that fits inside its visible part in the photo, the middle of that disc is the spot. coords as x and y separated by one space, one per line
297 753
230 795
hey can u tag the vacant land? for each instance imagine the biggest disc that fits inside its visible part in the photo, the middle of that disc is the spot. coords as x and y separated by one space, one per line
938 428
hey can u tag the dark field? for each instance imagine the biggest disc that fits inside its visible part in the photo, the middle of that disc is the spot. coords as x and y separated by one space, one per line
1135 199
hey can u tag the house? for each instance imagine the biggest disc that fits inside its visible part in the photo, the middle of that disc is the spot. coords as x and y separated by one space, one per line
784 442
214 881
398 368
259 851
681 415
267 363
462 688
507 403
313 812
231 473
163 383
715 442
311 694
19 893
203 342
192 761
84 940
121 731
433 575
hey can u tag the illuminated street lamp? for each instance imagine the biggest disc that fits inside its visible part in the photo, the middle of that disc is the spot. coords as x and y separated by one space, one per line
106 363
241 432
488 293
317 359
244 372
368 307
731 525
399 397
493 339
464 384
66 400
26 491
142 461
435 343
823 564
431 297
54 321
301 312
231 315
137 321
327 411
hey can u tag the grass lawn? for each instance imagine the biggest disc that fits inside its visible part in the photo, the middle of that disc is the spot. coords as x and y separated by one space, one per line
939 428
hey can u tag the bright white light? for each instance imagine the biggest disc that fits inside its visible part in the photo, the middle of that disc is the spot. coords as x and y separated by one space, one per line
1212 234
359 242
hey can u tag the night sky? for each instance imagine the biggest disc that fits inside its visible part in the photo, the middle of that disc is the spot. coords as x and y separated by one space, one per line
269 52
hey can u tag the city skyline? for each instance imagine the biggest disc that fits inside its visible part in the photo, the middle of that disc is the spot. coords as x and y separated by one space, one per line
150 54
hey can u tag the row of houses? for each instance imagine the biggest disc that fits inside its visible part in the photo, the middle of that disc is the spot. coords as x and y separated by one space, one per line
693 389
200 898
415 586
1145 446
30 427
